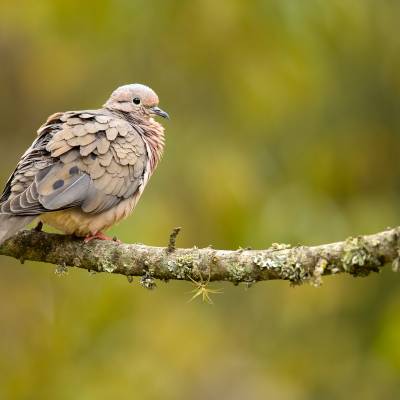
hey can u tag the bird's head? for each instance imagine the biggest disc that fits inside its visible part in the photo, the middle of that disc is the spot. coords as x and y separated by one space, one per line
136 99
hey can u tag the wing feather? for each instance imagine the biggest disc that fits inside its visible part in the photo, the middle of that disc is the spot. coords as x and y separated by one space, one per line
89 159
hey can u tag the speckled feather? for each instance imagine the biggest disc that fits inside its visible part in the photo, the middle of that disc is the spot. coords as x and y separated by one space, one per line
87 169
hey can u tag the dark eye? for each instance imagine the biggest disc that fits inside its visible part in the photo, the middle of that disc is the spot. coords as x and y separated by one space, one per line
136 100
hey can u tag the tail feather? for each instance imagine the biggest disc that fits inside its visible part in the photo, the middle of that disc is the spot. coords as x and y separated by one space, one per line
10 224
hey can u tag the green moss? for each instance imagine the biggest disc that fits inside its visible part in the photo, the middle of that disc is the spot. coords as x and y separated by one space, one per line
357 259
295 273
280 246
182 266
107 265
242 249
61 270
239 273
77 261
286 267
273 263
396 263
147 281
320 268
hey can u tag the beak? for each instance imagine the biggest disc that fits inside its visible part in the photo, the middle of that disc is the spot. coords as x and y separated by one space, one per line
158 111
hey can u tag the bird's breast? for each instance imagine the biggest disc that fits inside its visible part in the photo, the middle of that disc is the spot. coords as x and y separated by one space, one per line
76 222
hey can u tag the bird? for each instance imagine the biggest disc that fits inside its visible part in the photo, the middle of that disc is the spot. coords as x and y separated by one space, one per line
87 169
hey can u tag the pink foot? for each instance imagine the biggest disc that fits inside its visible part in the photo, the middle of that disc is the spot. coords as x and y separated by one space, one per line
99 236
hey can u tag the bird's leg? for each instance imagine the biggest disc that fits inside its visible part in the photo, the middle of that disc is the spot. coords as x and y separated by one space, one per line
99 236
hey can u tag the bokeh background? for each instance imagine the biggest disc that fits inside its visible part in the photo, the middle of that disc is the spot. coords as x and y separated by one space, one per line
285 127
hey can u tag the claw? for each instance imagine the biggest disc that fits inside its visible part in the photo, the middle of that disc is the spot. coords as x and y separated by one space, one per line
100 236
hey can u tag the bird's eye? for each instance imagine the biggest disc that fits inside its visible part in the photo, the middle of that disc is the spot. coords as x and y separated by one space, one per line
136 100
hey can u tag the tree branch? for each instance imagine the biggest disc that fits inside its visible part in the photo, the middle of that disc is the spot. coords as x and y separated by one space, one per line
357 256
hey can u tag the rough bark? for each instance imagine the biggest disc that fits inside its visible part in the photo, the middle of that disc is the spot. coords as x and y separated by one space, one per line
357 256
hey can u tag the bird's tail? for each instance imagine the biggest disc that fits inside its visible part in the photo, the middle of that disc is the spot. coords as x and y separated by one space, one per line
10 224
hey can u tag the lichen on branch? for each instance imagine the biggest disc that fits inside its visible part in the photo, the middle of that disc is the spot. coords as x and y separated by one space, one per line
358 256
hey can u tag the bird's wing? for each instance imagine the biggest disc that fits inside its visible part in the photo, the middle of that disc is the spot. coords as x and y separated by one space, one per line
87 159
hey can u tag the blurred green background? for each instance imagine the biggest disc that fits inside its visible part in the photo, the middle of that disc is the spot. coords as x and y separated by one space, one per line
285 127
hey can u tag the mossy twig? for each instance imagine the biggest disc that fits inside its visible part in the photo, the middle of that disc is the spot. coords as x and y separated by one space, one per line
172 239
358 256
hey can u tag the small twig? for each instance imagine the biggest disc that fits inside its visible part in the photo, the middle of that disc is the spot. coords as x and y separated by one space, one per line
172 239
39 226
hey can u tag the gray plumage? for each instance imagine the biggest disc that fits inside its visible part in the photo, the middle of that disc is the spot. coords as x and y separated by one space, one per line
87 169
